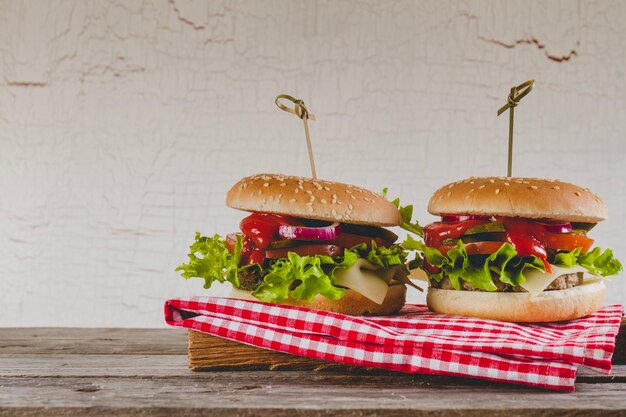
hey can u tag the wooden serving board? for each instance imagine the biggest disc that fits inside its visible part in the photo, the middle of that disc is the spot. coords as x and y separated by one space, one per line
213 353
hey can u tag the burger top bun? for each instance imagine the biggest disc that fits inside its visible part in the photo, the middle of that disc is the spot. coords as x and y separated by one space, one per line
312 199
532 198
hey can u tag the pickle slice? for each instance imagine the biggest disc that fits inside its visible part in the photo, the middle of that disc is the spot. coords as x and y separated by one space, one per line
486 228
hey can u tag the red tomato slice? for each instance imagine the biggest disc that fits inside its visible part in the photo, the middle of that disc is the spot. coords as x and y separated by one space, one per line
305 250
476 248
566 241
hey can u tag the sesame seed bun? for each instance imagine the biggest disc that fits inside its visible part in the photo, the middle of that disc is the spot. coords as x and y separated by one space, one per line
521 307
532 198
312 199
352 303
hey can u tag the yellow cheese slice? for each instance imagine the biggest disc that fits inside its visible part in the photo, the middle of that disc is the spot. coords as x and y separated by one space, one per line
366 279
537 281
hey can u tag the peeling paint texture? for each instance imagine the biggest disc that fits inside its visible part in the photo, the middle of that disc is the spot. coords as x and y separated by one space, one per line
124 123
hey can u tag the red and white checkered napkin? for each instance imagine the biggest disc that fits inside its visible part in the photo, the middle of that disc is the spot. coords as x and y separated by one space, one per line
416 340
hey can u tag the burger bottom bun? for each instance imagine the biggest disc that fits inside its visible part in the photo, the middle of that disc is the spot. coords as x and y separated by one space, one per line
547 306
352 303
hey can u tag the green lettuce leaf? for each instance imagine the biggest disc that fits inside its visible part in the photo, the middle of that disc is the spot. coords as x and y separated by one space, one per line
407 216
211 260
505 264
296 277
567 259
304 277
596 261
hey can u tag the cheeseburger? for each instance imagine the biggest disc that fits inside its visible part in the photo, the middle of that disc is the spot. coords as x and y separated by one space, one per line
307 242
515 249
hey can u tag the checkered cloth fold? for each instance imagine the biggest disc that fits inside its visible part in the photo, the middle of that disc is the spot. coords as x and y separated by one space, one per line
415 341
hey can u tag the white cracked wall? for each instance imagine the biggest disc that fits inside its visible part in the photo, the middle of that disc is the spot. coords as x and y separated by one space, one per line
123 123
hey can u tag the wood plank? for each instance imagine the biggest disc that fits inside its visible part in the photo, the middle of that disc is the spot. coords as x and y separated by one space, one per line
175 366
62 365
293 394
93 341
214 353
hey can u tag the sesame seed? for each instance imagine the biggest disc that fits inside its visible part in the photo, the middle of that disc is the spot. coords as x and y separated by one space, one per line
309 204
577 193
347 191
491 180
310 209
301 187
556 187
267 184
481 187
334 196
333 212
472 182
323 201
467 197
534 187
340 217
471 191
451 185
312 198
497 191
241 186
349 206
506 184
353 197
296 190
309 192
293 200
282 184
327 189
266 178
259 192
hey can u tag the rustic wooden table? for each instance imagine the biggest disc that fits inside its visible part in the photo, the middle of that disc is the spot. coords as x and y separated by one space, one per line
139 372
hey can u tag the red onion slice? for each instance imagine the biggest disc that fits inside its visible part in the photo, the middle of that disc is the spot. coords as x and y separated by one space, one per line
453 218
329 232
557 227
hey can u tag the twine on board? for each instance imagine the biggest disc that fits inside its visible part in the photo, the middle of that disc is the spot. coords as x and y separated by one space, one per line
301 111
517 93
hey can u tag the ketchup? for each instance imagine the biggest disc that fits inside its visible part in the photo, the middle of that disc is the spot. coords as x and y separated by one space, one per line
435 233
259 230
262 228
527 238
